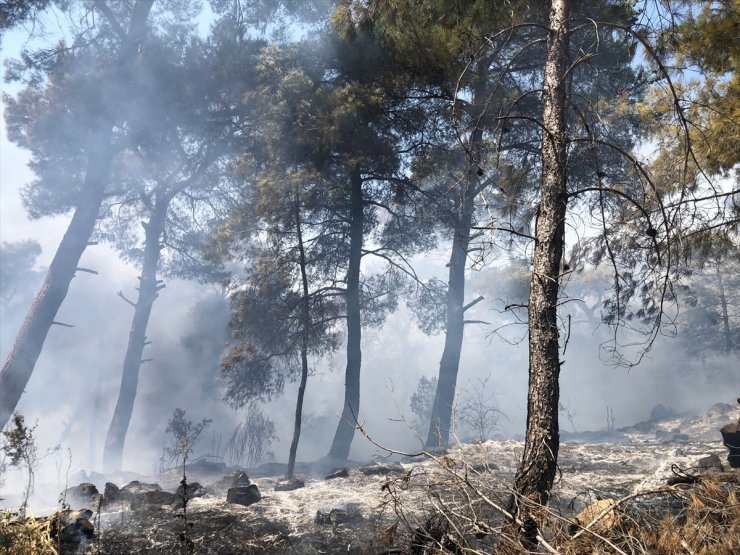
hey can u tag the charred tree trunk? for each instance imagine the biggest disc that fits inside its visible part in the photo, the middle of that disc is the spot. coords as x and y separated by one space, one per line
148 293
536 471
21 361
444 398
725 314
305 331
346 428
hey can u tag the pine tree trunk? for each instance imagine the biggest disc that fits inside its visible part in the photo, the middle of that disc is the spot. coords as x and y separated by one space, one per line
305 330
114 442
20 362
346 428
725 314
536 472
444 398
28 344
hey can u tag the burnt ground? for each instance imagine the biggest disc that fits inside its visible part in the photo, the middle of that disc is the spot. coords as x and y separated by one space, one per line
366 502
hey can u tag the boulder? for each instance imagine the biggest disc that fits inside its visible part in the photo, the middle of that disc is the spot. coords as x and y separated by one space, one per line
194 489
383 469
661 412
289 485
235 479
152 497
338 473
82 495
135 487
347 515
243 495
644 427
720 409
709 463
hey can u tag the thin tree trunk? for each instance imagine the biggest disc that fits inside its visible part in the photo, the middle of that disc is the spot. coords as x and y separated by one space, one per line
536 472
305 325
725 315
444 398
114 442
22 359
346 428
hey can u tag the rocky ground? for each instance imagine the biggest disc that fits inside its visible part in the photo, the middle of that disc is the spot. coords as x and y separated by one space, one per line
356 509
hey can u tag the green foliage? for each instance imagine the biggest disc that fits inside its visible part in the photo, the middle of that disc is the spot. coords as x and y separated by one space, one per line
185 434
250 442
19 448
16 271
422 401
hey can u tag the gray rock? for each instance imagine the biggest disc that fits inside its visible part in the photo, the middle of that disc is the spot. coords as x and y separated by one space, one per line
720 409
661 412
194 489
709 463
339 473
234 479
152 497
82 495
289 485
135 487
338 516
244 495
376 468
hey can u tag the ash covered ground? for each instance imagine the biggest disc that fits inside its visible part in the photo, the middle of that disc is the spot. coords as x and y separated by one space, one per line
367 508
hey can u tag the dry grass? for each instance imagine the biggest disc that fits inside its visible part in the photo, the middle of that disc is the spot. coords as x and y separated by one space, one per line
454 507
26 535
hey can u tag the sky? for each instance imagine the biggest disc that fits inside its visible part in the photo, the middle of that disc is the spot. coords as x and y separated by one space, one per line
73 390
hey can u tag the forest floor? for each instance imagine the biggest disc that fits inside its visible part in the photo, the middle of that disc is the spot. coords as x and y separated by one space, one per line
376 508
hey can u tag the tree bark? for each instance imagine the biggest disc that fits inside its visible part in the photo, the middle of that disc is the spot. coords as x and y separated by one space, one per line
305 330
114 442
725 314
28 344
444 398
20 362
537 469
346 428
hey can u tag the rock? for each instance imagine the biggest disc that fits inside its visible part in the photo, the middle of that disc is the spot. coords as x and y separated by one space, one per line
709 463
111 494
152 497
606 522
643 427
205 467
244 495
676 431
234 479
339 516
681 437
377 468
194 489
85 494
339 473
135 487
661 412
662 435
720 409
289 485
